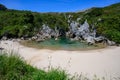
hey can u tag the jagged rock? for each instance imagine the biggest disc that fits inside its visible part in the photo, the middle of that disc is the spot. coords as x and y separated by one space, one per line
68 34
34 38
56 32
84 27
14 40
4 38
22 38
84 33
111 43
18 40
76 32
73 27
75 39
39 40
99 39
46 33
90 40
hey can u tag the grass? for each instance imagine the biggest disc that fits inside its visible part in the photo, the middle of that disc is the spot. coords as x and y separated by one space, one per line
13 67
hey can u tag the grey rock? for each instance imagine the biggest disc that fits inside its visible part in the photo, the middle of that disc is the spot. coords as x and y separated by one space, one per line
4 38
83 32
90 40
46 33
111 43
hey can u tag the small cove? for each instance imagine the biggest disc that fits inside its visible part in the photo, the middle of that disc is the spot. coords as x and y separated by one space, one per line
61 44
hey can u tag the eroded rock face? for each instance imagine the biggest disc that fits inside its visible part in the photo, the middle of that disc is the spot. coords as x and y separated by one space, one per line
73 27
111 43
76 32
83 32
80 31
4 38
46 33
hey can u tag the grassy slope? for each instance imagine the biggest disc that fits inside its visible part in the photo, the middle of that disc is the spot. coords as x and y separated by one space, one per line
13 67
109 25
13 22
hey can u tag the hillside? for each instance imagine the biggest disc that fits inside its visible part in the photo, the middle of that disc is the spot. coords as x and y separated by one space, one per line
17 24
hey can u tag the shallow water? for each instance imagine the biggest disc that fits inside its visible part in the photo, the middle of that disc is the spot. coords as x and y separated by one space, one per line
64 43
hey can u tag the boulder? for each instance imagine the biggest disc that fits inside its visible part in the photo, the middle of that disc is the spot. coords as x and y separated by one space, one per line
111 43
39 40
99 39
90 40
34 38
4 38
56 39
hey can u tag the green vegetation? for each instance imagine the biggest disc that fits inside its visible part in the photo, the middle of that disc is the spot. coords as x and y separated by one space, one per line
106 21
13 67
16 24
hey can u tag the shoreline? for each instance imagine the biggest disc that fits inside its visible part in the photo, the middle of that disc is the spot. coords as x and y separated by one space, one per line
96 47
100 61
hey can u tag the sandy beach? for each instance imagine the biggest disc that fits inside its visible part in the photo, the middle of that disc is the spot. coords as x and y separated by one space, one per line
102 62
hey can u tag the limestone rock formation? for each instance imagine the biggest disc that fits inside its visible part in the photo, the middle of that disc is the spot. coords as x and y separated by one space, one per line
76 32
46 33
83 32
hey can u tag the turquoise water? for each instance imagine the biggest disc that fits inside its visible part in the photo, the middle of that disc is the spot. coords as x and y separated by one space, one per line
64 43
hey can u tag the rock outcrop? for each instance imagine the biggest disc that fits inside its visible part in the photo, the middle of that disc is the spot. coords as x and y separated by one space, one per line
76 32
83 32
46 33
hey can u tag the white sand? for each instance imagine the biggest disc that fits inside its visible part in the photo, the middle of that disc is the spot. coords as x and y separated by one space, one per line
102 62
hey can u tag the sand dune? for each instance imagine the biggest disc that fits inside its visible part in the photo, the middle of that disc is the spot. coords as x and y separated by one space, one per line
102 62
